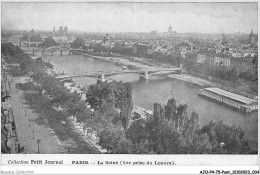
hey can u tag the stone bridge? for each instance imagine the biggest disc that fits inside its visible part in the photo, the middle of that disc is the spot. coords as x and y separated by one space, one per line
26 43
53 50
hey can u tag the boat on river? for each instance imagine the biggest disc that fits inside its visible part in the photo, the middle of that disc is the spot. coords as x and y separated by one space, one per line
236 101
68 80
118 64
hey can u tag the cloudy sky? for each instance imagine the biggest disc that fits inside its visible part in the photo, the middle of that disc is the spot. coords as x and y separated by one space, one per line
132 17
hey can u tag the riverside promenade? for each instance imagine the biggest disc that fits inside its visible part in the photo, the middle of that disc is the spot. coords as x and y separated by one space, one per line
28 128
35 133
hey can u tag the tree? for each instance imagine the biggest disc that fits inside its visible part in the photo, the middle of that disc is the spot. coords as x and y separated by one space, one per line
137 132
110 138
97 47
78 42
170 109
73 105
158 114
109 97
180 116
36 38
226 139
123 146
48 42
188 64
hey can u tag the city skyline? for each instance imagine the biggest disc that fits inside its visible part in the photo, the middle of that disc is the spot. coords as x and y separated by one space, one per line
132 17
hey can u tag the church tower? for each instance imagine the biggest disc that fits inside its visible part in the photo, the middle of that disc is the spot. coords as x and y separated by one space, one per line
53 32
170 29
251 37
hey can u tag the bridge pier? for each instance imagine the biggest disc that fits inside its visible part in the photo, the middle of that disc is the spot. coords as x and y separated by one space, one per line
20 44
103 78
52 53
146 75
181 68
60 52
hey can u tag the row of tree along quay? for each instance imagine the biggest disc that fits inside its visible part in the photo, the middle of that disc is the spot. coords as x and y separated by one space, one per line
170 130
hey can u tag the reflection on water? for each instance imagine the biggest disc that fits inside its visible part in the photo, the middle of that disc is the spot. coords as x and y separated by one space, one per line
158 89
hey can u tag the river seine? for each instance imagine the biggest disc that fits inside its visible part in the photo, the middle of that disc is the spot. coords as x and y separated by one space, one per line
159 89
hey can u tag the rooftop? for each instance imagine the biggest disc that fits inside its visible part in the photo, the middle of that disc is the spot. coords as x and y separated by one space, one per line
236 97
144 111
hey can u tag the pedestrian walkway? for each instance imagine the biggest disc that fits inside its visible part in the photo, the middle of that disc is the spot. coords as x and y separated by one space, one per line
31 133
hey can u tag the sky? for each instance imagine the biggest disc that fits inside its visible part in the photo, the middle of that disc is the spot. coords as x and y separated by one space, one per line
132 17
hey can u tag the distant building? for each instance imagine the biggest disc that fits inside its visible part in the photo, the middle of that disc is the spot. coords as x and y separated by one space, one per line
106 38
66 30
106 42
60 39
210 59
252 37
31 36
249 54
201 58
184 50
222 60
170 31
150 51
61 34
154 32
243 64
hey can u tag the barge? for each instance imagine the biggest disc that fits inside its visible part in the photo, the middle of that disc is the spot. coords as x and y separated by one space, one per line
139 112
235 101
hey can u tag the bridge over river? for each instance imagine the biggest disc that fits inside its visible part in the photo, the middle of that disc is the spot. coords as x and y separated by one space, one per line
104 75
52 50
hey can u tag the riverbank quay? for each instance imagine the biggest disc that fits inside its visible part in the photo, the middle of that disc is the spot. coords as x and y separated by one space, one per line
236 101
122 61
236 89
88 134
192 79
237 86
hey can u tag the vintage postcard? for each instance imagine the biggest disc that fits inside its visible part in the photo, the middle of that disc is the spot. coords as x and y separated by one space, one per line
171 87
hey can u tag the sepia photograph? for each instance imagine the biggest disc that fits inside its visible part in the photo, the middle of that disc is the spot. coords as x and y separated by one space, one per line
138 78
